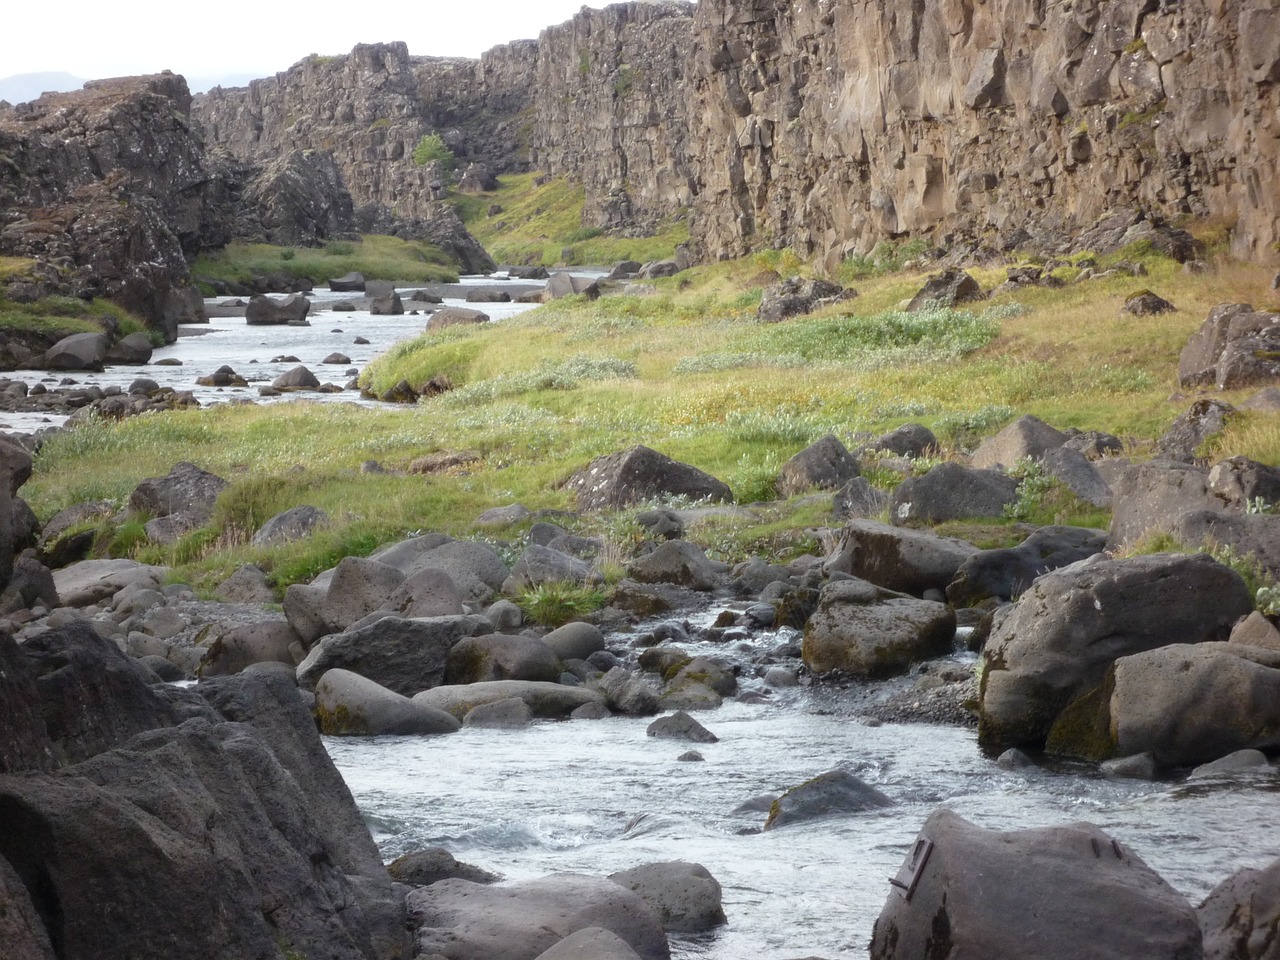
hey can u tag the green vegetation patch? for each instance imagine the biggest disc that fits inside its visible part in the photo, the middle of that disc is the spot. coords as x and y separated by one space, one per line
542 224
377 257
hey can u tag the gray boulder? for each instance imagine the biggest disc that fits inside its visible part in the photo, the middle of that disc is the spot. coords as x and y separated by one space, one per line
475 568
1234 347
1152 497
497 656
909 440
795 296
134 349
509 714
835 793
1240 482
349 705
296 523
455 316
679 562
590 943
92 581
539 564
386 305
21 929
80 351
425 593
352 590
858 499
421 868
566 285
946 289
680 726
545 700
871 632
1190 704
186 490
264 311
575 641
1255 533
685 896
1203 420
908 561
1027 437
1073 470
1059 640
231 646
640 474
628 694
1241 914
352 282
1051 892
405 656
520 921
1004 573
249 584
298 378
950 491
825 464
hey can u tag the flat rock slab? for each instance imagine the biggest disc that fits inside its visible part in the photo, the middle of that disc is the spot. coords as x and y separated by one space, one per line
91 581
544 699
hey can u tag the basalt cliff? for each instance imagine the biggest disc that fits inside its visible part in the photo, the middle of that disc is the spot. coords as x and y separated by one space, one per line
824 125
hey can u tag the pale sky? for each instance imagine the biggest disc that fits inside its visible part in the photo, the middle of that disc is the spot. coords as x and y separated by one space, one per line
97 38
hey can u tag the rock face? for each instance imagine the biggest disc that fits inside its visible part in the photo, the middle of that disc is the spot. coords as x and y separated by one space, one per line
638 474
110 188
140 817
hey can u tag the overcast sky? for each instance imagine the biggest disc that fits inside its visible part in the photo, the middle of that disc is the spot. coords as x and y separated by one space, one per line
96 38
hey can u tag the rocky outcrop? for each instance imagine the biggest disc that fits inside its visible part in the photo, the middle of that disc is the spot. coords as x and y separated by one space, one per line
109 188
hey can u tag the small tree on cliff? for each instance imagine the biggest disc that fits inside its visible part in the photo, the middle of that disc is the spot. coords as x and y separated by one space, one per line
432 147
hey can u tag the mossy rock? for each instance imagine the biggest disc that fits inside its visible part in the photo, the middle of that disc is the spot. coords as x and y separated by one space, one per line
1083 731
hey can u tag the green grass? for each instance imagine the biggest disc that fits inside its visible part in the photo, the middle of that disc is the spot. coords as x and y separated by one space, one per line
62 316
377 257
688 371
543 225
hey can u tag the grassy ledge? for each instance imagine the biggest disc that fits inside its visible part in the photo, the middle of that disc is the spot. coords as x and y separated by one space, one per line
543 225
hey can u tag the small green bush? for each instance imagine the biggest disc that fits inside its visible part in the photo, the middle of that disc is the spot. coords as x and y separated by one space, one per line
556 603
432 148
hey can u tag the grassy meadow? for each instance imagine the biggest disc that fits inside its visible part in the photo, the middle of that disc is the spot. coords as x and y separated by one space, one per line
689 371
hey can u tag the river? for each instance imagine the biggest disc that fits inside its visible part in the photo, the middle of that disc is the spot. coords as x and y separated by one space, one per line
598 796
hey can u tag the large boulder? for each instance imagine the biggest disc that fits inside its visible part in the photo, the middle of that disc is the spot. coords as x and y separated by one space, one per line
1236 346
348 283
186 490
1186 436
1256 534
909 440
946 289
264 311
825 464
334 601
1241 914
685 896
92 581
545 700
15 470
134 349
1004 573
1152 497
566 285
498 656
1184 704
834 793
476 570
950 491
296 378
1053 893
676 561
909 561
1076 472
296 523
1027 438
80 351
640 474
871 632
1062 636
519 921
455 316
405 656
795 296
348 704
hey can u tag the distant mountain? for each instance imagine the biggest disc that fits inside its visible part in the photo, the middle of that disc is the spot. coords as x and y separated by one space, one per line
22 87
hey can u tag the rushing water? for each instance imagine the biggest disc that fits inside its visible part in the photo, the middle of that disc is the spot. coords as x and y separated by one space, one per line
252 352
597 796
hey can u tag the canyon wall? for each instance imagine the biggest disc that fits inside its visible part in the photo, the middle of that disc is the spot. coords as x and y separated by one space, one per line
825 125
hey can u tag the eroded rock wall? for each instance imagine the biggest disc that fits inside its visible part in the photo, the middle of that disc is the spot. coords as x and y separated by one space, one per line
611 110
828 125
109 188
